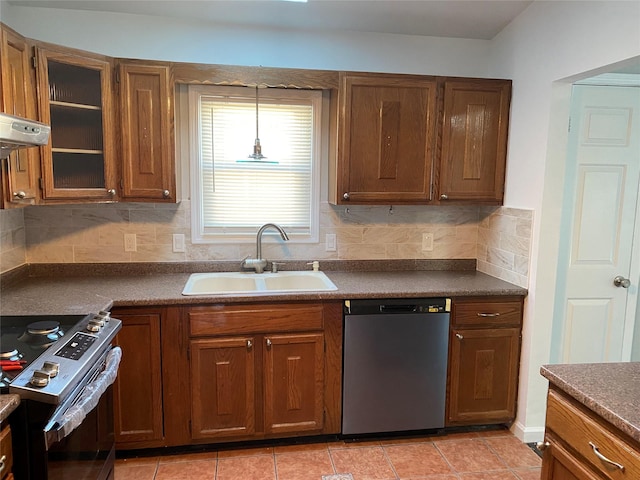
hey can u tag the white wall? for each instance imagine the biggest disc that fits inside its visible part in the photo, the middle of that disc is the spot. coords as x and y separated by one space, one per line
543 50
157 38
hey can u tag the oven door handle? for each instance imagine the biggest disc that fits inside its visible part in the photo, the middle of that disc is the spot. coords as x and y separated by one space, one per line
62 425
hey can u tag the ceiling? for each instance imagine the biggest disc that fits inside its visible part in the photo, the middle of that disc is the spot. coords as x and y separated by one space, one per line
474 19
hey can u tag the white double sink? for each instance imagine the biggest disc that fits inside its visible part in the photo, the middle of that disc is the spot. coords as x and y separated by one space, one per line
249 283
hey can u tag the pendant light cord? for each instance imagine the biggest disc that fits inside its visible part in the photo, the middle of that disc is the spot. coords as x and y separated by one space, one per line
257 136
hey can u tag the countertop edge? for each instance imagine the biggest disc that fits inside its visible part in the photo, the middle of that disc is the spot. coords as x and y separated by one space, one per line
8 403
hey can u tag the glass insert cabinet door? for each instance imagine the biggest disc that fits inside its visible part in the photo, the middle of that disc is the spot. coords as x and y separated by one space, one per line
75 97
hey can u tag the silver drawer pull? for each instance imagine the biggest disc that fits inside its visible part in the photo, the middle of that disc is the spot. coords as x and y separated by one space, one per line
495 314
3 459
605 459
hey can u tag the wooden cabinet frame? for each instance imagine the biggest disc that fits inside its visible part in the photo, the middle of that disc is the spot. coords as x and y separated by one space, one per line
484 360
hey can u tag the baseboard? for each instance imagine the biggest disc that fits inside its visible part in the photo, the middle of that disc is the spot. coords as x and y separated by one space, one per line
527 434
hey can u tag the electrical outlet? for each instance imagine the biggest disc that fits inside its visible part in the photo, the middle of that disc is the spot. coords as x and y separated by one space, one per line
330 242
130 242
427 242
178 242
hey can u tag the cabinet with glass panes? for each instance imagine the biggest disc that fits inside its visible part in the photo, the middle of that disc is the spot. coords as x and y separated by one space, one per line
76 99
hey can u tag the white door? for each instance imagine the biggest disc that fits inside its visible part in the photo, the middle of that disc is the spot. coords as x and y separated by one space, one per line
592 314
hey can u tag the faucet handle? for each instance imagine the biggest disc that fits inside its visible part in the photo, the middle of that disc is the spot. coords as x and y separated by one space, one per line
274 266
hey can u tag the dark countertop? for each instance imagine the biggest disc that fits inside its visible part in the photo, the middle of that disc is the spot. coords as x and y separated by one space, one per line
610 390
8 403
63 293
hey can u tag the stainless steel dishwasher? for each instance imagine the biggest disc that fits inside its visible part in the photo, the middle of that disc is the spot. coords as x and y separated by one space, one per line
395 365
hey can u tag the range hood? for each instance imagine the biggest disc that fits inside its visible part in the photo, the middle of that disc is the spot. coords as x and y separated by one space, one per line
18 132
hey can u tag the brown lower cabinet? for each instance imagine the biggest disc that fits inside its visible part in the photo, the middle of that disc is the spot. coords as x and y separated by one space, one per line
264 371
572 435
6 454
484 359
138 387
227 372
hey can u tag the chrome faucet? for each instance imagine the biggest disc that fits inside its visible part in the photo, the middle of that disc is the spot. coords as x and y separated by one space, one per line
259 263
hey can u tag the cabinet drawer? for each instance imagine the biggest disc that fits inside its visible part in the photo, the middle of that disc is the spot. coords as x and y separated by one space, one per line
579 431
482 312
5 451
238 319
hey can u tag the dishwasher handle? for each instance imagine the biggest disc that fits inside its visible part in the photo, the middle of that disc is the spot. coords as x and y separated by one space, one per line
398 308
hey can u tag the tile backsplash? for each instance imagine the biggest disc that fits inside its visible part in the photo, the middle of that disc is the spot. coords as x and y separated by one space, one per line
499 238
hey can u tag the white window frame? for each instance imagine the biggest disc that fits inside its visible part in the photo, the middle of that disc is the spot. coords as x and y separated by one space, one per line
203 235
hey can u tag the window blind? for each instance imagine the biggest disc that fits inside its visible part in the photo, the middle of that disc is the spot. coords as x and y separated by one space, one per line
239 194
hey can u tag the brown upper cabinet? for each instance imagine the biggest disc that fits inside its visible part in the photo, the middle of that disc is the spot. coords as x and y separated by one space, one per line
402 138
20 171
147 131
474 140
75 95
386 138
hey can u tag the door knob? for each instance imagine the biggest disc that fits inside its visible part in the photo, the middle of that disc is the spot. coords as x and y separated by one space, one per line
620 281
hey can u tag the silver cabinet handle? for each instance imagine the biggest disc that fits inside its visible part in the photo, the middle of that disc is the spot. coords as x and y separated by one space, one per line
605 459
20 194
268 343
459 337
249 344
620 281
444 196
493 314
3 459
346 196
112 192
166 193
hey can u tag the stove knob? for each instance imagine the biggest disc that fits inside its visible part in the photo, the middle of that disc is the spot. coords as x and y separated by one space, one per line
52 368
93 326
39 379
98 320
104 314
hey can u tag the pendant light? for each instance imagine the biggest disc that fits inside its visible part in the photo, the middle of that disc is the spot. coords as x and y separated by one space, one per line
257 148
256 156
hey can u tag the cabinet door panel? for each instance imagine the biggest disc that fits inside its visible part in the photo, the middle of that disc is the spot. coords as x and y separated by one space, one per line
474 140
387 132
18 98
222 387
483 375
294 382
147 133
138 387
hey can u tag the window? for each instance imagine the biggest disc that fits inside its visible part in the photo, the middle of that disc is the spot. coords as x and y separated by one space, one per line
233 194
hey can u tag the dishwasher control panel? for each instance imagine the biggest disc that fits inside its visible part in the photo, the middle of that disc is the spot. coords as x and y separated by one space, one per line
397 306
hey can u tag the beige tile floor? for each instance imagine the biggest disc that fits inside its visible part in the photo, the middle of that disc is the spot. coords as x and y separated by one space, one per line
494 455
